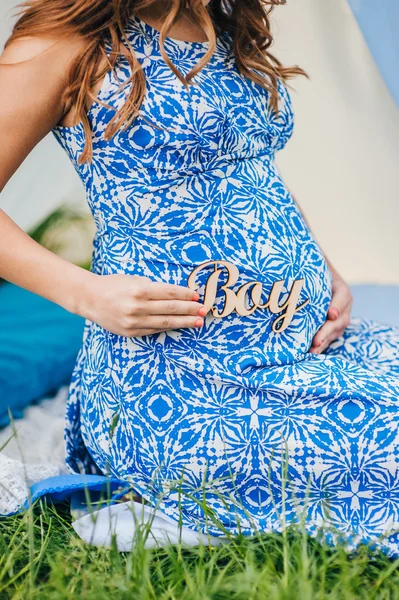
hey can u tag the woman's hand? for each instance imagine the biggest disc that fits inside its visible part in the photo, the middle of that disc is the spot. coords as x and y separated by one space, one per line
338 316
131 305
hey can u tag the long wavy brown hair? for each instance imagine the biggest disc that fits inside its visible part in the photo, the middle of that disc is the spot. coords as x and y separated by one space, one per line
102 22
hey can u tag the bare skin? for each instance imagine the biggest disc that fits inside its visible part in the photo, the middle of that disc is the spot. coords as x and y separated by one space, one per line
33 77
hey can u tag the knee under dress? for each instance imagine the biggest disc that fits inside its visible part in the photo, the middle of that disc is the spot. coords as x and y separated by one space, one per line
234 426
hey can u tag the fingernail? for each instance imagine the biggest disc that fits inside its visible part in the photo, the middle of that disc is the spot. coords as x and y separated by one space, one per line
335 313
196 297
199 322
202 311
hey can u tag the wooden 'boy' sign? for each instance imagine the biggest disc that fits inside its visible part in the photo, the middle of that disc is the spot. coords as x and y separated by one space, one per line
236 300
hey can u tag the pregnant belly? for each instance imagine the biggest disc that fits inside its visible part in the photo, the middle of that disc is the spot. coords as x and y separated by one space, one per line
247 298
257 317
262 318
249 254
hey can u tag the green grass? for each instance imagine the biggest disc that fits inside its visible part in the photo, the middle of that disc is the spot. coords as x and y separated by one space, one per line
42 558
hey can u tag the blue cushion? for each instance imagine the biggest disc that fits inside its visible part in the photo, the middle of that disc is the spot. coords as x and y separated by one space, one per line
39 342
377 302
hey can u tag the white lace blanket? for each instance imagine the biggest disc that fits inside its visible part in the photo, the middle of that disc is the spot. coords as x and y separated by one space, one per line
34 452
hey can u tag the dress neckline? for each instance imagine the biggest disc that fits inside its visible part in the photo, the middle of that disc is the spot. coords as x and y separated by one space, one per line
153 33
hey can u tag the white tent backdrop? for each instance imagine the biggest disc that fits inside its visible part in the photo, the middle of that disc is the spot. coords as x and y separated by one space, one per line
342 163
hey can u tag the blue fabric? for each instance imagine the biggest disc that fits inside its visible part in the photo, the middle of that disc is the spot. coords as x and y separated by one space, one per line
377 302
190 194
39 342
379 22
370 301
64 487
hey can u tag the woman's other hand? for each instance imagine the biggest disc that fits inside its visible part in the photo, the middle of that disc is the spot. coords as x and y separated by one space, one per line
131 305
338 315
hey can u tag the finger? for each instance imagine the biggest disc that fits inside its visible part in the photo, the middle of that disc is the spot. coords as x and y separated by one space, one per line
173 307
164 322
326 342
148 331
329 329
334 312
168 291
144 331
320 349
340 301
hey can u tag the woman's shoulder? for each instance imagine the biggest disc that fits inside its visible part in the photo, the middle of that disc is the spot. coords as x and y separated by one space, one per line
42 49
36 68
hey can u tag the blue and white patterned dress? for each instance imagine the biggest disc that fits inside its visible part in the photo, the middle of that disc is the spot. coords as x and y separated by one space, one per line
236 412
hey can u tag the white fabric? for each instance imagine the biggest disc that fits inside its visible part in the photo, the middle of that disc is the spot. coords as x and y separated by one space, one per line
125 519
34 452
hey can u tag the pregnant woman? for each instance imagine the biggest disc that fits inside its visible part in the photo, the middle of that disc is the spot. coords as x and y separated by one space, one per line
219 365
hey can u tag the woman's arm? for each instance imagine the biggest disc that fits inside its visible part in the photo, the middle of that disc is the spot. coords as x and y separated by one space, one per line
338 316
33 77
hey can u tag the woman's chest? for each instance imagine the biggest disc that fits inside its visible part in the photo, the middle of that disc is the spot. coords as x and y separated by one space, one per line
222 113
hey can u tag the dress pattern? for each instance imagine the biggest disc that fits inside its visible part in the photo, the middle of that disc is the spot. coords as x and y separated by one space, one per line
234 412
